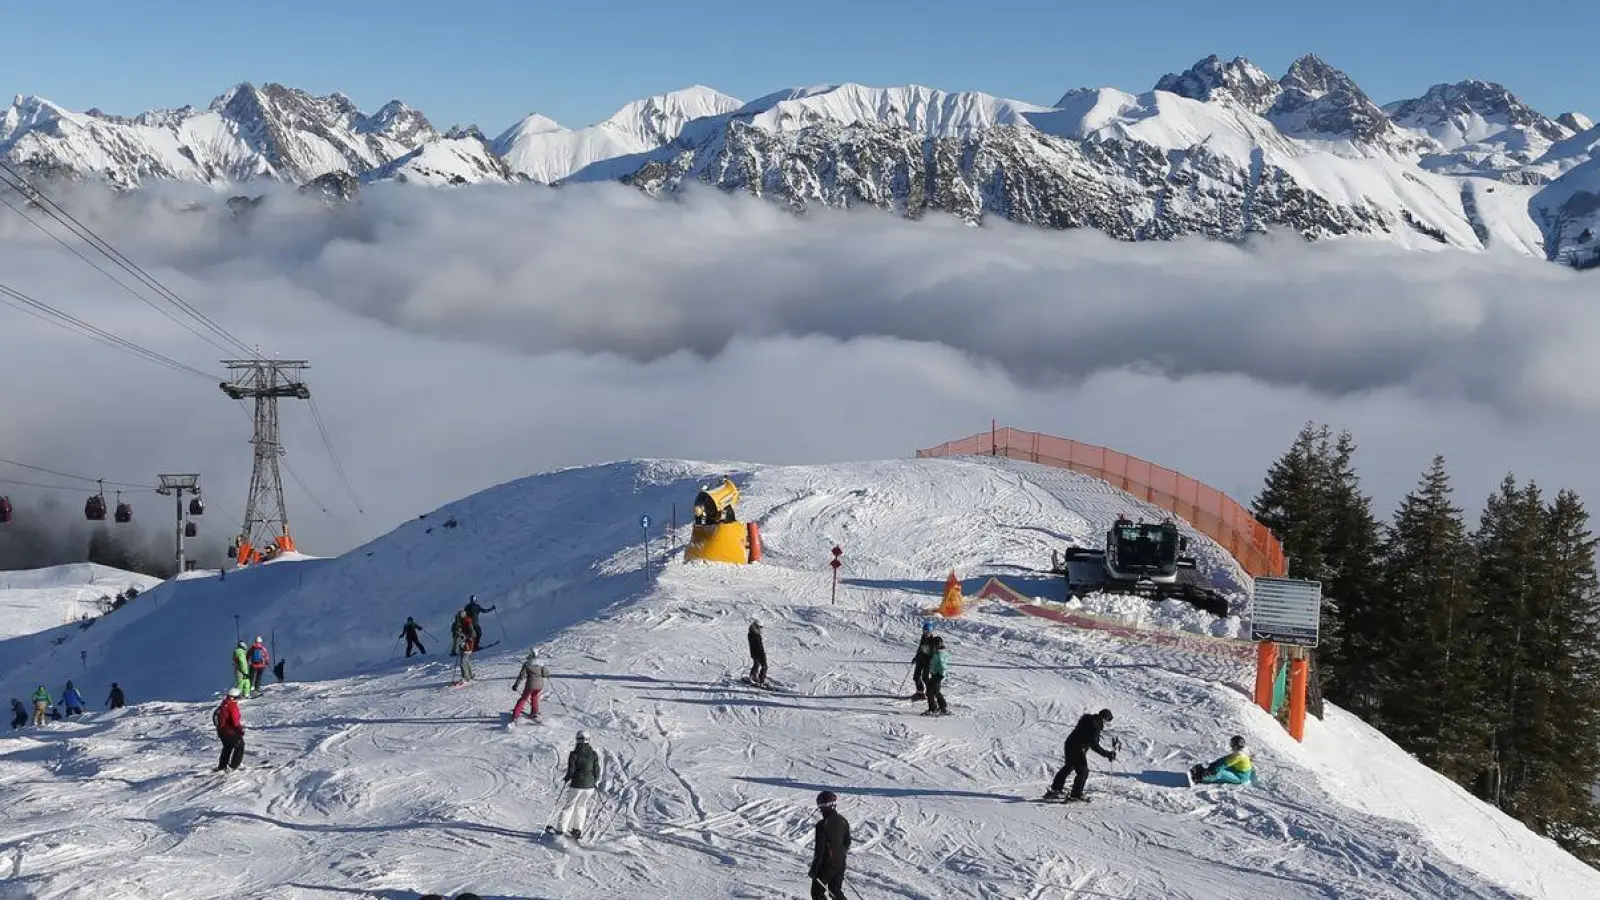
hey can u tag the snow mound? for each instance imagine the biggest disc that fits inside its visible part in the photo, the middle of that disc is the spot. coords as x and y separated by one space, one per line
366 775
35 600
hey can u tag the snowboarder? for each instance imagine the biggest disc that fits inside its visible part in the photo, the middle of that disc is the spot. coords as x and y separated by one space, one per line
583 773
758 653
829 852
241 668
72 700
230 730
919 663
41 705
19 713
467 646
937 667
409 632
1084 737
530 684
475 613
258 657
1235 768
116 700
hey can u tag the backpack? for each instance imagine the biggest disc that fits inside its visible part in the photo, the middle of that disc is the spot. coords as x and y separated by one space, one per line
258 654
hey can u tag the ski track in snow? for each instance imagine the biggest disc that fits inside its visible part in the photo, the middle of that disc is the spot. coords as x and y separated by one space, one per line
377 780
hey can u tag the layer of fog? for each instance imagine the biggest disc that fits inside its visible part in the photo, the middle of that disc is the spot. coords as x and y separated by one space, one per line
462 338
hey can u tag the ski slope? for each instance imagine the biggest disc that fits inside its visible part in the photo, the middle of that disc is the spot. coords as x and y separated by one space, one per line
368 777
33 600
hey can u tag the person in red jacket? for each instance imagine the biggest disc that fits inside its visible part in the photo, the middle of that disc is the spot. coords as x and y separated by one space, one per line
230 729
259 657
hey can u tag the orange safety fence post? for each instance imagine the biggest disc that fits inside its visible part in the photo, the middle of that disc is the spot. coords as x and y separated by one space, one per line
1298 671
1266 672
754 532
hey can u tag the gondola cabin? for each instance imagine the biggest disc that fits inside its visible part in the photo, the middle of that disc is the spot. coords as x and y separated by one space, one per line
124 510
196 507
190 530
94 509
5 510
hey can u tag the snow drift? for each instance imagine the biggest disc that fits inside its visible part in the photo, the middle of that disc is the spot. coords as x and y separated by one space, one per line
368 777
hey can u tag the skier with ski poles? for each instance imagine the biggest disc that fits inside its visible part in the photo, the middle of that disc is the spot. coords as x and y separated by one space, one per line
475 612
409 632
920 662
533 674
829 851
583 774
1084 737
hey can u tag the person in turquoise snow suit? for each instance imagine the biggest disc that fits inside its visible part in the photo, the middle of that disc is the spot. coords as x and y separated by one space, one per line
1235 768
938 665
72 700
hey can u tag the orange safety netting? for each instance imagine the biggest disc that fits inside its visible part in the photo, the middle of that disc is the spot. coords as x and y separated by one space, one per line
1209 510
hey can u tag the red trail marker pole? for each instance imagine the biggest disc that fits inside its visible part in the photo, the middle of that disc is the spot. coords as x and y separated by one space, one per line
835 563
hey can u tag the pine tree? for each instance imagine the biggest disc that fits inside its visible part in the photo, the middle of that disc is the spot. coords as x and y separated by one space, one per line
1293 502
1427 681
1352 585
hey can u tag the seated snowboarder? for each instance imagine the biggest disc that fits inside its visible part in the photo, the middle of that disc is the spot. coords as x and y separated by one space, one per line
1235 768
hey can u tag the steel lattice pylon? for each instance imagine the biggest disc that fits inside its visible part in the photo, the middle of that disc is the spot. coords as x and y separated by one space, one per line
266 517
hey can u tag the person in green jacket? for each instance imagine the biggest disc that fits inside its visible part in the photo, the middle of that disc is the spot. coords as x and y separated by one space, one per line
241 669
583 773
937 667
41 705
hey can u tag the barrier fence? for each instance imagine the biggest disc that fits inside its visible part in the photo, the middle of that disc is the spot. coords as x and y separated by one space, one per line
1210 511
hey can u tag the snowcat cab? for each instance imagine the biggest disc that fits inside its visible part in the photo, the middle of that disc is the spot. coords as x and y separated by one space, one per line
1143 559
5 510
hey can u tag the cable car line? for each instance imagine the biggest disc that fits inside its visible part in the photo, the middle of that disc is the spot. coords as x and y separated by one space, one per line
12 297
121 484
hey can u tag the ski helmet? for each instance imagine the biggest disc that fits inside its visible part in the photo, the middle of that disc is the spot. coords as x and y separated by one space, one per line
241 643
1237 742
258 639
583 737
927 626
827 799
1106 714
233 692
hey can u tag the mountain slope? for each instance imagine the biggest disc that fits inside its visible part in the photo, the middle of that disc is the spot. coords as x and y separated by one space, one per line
1222 150
35 600
375 779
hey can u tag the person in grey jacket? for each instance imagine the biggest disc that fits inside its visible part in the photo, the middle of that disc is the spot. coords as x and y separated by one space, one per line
530 684
583 773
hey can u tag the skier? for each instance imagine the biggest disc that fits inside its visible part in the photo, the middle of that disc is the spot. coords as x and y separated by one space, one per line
258 657
1235 768
467 646
919 663
1084 737
409 632
829 852
534 675
937 667
41 705
19 713
583 773
116 700
475 612
72 700
758 654
459 626
230 730
241 668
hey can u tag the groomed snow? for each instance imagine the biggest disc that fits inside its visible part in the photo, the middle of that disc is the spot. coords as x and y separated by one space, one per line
34 600
368 777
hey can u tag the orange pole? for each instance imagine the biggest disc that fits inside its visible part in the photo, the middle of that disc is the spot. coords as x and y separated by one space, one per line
1266 672
1298 670
753 533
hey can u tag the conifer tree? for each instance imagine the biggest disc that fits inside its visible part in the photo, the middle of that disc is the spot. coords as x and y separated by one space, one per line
1426 682
1352 585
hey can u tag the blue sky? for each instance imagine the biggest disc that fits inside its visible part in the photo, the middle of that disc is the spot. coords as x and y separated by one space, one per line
490 62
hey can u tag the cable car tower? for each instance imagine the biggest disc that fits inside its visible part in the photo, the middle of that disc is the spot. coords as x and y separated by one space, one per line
266 518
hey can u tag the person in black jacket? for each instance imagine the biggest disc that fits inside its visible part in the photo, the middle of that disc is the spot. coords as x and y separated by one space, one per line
920 662
409 632
758 654
117 700
1085 737
828 854
476 611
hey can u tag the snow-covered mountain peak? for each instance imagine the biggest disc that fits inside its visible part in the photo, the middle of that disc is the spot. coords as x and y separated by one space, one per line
398 122
1470 111
28 111
1576 121
1211 78
658 119
1322 104
916 108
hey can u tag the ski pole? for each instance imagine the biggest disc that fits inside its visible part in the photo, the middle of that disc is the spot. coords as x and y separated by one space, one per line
396 648
503 635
